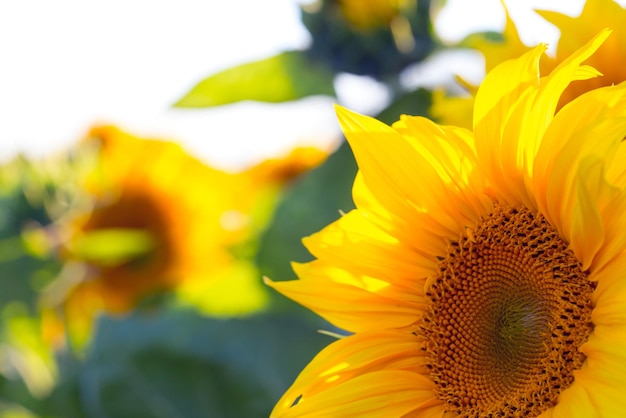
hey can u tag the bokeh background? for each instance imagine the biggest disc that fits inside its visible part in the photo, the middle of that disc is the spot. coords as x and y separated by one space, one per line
159 158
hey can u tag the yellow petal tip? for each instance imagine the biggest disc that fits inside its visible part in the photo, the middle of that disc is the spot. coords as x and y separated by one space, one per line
351 121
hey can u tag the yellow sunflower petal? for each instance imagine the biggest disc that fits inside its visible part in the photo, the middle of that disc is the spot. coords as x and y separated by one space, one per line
566 129
389 157
451 154
609 298
576 188
575 31
586 231
615 173
428 244
604 377
332 293
384 393
499 95
388 170
551 89
505 325
368 249
574 403
456 111
499 90
352 356
513 110
598 216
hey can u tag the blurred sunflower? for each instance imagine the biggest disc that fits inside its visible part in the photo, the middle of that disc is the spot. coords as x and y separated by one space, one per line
161 220
595 16
377 38
482 274
370 14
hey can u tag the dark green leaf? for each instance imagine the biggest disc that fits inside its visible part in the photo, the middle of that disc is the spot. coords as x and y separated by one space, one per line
180 364
415 103
374 51
13 391
284 77
315 201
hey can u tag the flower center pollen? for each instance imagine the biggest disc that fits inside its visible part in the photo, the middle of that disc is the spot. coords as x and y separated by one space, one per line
509 308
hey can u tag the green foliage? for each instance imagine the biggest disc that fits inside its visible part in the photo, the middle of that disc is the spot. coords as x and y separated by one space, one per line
315 201
488 37
20 272
284 77
180 364
374 52
12 390
113 246
414 103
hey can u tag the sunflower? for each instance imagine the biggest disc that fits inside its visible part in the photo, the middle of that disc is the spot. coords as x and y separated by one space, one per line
371 14
481 274
281 170
596 15
155 188
160 220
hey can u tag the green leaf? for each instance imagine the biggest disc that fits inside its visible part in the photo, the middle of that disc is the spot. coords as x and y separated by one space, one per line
284 77
314 202
478 38
113 246
415 103
15 398
20 273
181 364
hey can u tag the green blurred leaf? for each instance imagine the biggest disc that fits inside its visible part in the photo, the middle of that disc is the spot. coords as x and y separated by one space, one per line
313 202
113 246
14 397
378 51
15 411
284 77
20 278
480 38
22 196
415 103
65 399
180 364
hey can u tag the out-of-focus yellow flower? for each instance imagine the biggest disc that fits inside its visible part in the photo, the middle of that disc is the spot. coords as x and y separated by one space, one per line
162 220
280 170
596 15
369 14
154 187
482 273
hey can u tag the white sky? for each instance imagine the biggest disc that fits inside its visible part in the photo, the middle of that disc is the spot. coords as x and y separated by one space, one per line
68 64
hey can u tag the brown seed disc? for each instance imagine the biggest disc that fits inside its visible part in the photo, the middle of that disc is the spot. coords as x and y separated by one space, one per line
509 308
